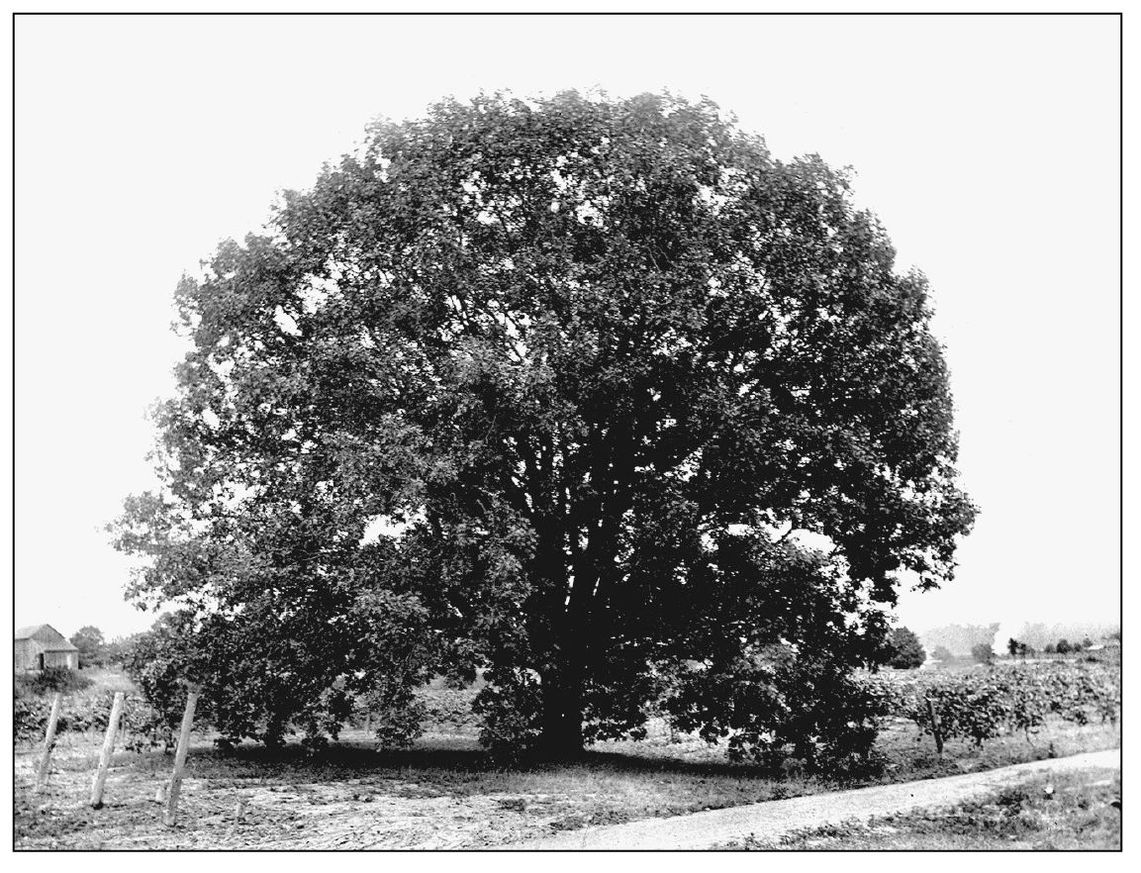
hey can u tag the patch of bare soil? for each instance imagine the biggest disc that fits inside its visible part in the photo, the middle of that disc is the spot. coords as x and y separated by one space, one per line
268 813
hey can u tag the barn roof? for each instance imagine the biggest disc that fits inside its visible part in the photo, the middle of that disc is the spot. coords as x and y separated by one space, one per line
62 644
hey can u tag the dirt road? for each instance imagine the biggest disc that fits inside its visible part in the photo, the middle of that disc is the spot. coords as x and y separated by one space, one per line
774 818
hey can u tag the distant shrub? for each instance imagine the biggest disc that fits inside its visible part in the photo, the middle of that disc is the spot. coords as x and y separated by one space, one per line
983 653
49 680
904 650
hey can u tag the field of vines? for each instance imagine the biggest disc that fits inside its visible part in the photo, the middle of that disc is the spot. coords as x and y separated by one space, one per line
989 702
973 705
86 706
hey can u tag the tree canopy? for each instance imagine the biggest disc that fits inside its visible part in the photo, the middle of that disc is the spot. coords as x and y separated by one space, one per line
89 640
904 650
549 390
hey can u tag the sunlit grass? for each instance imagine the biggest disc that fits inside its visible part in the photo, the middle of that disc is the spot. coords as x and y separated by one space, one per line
1062 811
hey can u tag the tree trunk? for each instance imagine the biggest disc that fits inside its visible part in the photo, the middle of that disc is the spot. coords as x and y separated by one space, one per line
561 721
562 717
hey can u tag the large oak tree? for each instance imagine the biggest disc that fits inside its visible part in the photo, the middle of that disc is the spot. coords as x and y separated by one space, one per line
551 390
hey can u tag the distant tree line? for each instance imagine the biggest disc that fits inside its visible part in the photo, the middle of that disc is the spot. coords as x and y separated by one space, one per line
1017 648
1065 647
96 651
968 641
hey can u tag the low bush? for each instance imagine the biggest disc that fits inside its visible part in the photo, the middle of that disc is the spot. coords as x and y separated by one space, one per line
49 680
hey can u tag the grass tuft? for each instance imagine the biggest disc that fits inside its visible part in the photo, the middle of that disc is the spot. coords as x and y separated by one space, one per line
1064 811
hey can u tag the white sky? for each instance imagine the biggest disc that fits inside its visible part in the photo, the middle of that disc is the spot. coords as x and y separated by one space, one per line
988 147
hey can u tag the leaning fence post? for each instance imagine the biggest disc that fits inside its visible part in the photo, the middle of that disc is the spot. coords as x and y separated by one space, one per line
935 731
44 764
180 756
108 751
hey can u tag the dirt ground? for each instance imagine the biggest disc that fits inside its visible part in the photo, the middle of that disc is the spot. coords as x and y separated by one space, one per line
259 806
442 794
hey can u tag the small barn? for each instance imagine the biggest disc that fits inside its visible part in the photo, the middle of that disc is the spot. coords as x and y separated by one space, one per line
41 645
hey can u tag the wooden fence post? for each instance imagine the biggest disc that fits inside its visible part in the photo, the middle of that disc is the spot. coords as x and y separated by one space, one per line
108 751
935 731
180 756
44 764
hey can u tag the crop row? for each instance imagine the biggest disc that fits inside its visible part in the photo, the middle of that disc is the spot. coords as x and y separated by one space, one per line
143 726
981 705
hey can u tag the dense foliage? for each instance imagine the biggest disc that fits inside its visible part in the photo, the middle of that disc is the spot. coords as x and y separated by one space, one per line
543 389
984 704
904 651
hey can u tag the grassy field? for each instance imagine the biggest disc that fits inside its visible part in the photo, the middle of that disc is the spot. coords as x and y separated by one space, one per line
442 793
1070 811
